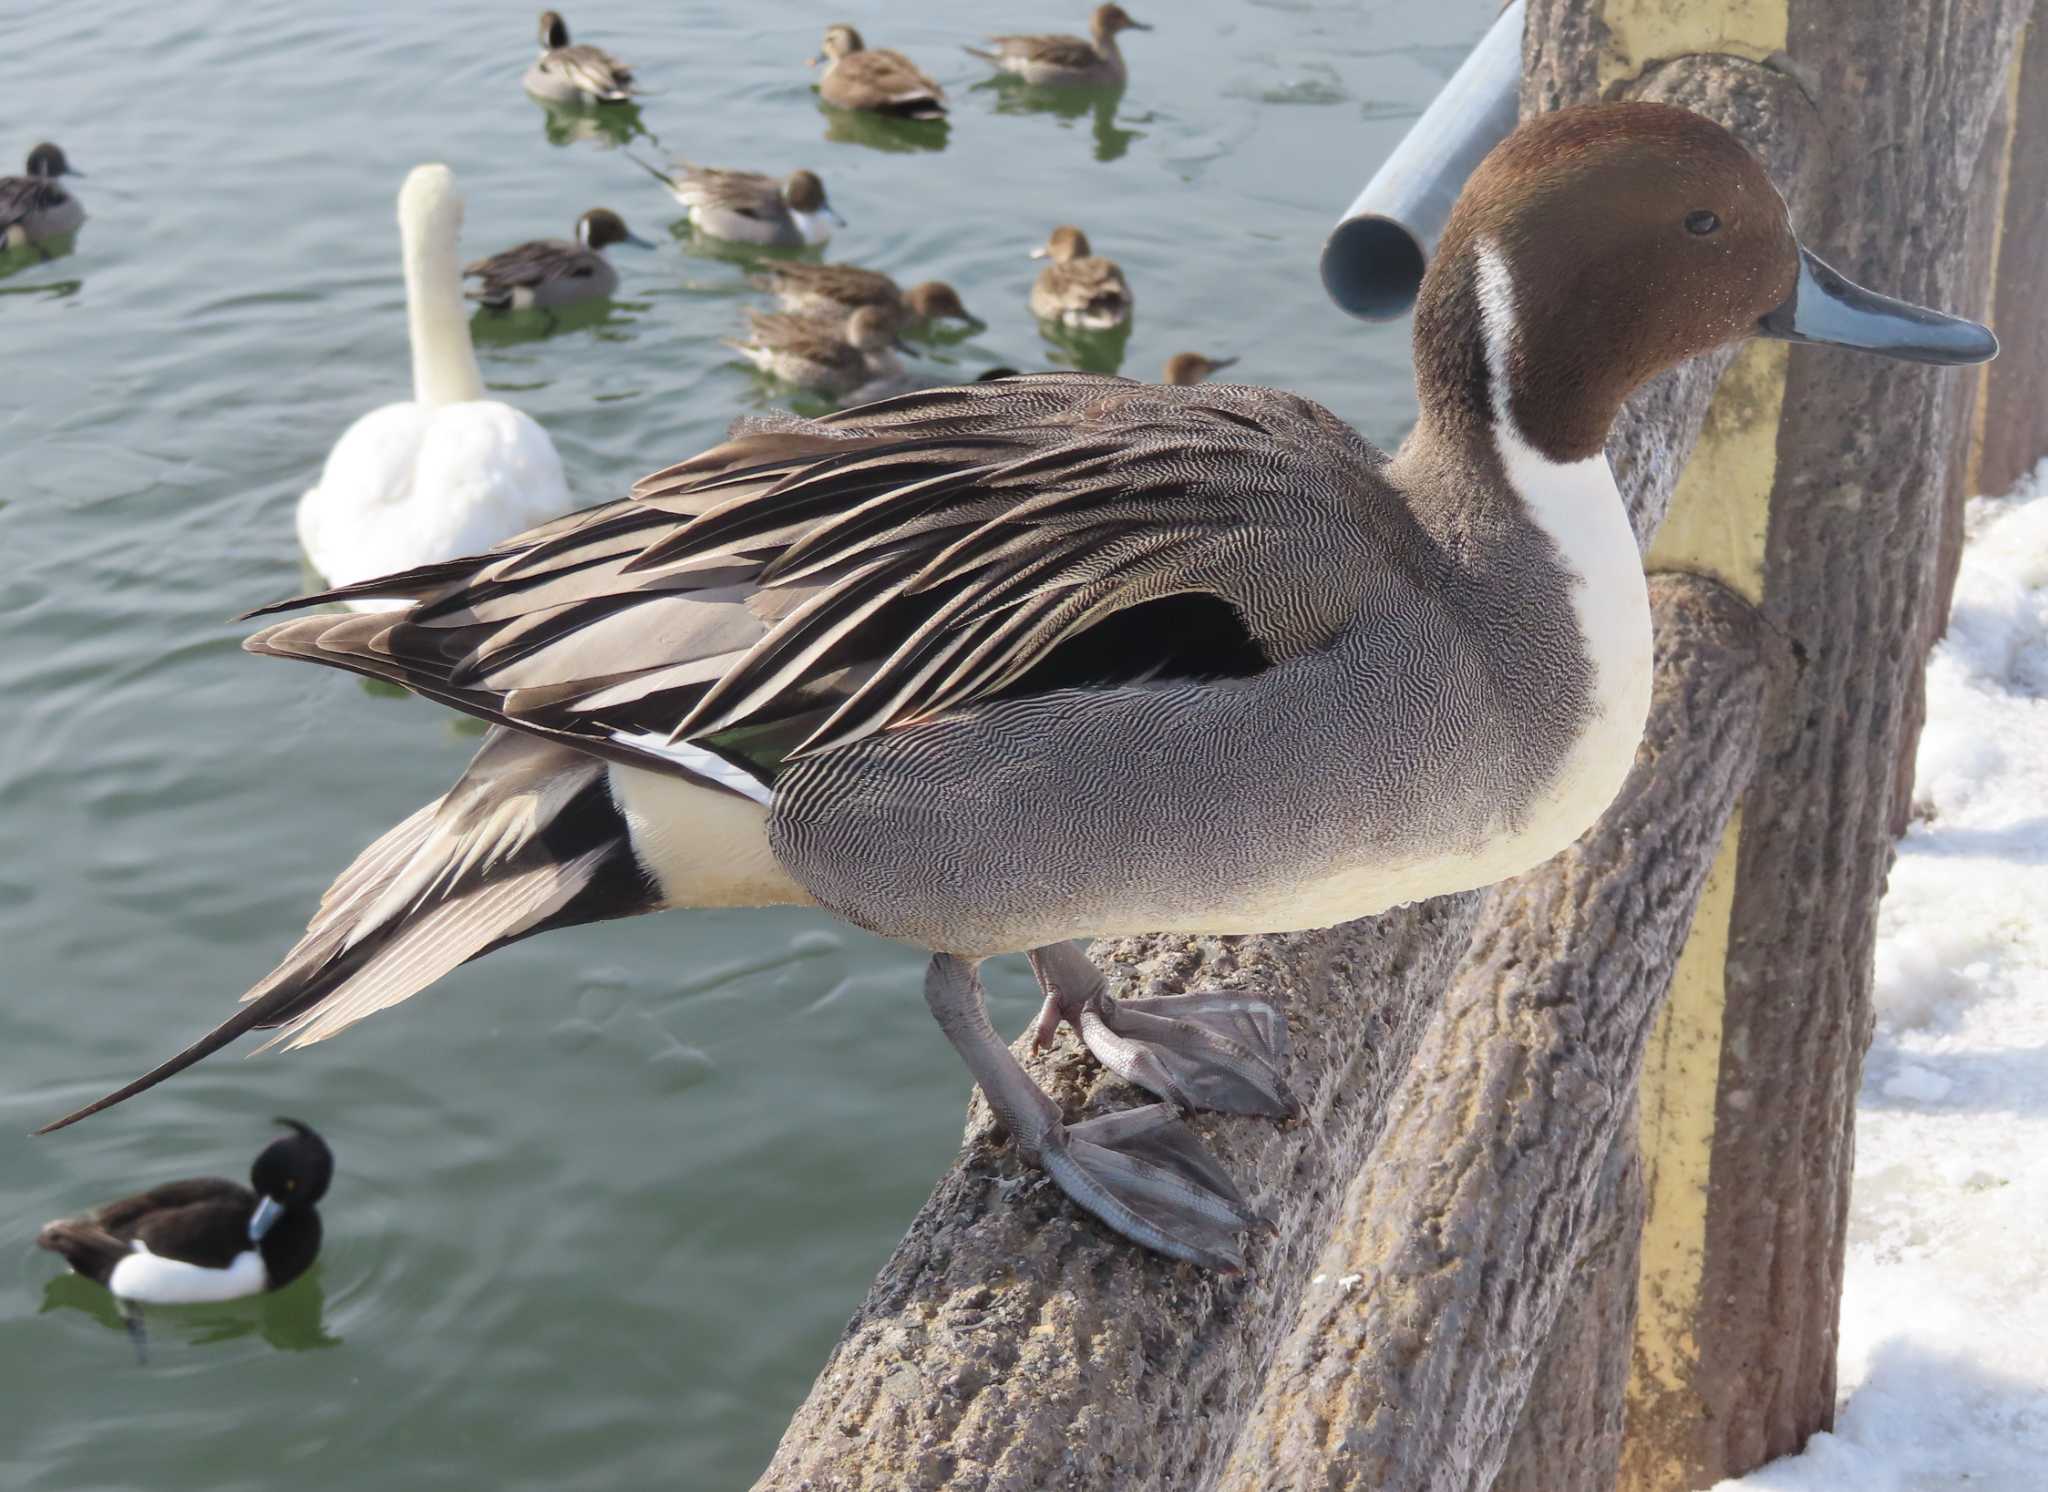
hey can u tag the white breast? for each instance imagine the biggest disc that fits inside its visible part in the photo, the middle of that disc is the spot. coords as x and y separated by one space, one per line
155 1280
815 226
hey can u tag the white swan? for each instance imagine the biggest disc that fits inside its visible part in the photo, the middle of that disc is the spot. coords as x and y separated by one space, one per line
447 472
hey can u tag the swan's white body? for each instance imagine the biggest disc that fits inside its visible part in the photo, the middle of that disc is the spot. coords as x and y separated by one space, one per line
447 472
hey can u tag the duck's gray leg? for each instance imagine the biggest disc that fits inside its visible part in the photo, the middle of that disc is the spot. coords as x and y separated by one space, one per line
1141 1172
1204 1051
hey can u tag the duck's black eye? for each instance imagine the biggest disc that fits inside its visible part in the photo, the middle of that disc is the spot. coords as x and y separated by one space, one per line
1701 223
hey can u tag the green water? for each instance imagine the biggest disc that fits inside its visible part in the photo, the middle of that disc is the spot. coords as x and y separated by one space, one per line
604 1201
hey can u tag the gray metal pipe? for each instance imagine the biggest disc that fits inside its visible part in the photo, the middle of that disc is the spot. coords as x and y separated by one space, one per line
1374 259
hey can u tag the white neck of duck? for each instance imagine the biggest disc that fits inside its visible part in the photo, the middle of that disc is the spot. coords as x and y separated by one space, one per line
1579 508
444 367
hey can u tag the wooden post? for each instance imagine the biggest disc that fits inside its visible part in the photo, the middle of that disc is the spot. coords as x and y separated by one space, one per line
1820 491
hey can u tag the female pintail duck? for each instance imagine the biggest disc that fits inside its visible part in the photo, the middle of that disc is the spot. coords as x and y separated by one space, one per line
1186 369
34 207
841 289
876 82
1079 288
830 355
751 207
565 74
208 1238
550 272
993 667
448 471
1057 60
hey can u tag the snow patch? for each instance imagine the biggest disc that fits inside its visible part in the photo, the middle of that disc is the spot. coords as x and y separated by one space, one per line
1944 1346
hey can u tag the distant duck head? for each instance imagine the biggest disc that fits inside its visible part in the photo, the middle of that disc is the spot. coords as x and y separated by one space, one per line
1597 246
554 31
840 41
1108 20
935 300
1187 368
291 1175
47 161
601 227
804 192
1067 244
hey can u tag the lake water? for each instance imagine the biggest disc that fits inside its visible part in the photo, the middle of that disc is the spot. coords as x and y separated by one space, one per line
606 1199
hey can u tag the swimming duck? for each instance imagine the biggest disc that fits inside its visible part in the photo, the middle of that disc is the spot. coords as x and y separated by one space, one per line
209 1238
877 82
565 74
1189 368
1056 60
830 355
751 207
1079 288
549 272
994 667
839 289
34 207
448 471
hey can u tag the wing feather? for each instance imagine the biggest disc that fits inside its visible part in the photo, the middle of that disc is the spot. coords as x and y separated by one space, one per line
809 585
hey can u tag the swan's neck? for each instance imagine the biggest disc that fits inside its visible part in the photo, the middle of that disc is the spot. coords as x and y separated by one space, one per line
444 369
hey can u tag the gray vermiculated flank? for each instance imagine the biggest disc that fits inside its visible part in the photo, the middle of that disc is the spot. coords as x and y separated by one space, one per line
553 271
35 208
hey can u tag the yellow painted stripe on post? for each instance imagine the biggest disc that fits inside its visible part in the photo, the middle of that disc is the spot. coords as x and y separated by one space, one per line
1721 511
1717 526
1640 32
1681 1079
1974 464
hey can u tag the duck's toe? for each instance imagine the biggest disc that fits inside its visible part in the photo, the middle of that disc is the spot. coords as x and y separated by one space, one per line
1145 1174
1214 1050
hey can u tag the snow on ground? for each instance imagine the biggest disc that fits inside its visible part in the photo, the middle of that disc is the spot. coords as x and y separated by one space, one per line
1944 1352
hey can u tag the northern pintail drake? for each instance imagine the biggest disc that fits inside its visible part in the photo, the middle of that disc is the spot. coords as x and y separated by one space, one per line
751 207
995 667
1079 288
565 74
34 207
550 272
1189 368
882 82
834 355
209 1238
841 289
1092 61
447 471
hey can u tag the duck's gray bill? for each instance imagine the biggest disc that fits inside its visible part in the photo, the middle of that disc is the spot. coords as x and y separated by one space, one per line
264 1218
1827 306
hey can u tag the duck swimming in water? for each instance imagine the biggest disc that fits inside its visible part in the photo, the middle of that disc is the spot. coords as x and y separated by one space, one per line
991 668
827 354
1079 288
1067 61
549 273
35 208
882 82
812 289
566 74
208 1239
751 207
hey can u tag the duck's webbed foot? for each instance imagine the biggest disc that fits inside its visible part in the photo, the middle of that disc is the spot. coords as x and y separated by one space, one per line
1212 1050
1141 1172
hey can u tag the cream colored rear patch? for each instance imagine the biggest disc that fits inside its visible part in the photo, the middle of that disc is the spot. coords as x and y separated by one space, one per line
704 847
